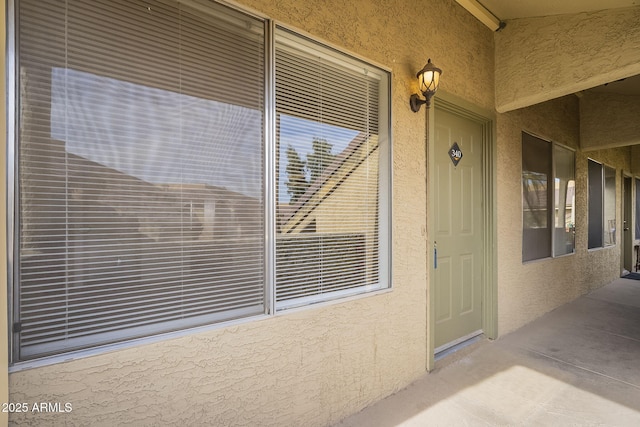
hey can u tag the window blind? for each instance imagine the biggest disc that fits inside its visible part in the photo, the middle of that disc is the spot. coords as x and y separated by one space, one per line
329 117
141 170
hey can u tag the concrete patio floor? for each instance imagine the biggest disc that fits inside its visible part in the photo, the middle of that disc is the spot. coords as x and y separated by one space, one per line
578 365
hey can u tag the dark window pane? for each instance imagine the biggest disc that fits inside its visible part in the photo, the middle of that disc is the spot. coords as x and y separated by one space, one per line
609 206
595 205
536 198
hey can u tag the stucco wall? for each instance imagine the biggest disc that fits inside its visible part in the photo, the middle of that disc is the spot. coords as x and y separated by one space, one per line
635 160
317 365
543 58
609 120
528 290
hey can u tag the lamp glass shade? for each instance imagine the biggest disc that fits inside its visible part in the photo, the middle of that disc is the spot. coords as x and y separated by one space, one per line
429 78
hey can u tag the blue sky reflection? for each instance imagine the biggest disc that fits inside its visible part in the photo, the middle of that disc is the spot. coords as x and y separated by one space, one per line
300 133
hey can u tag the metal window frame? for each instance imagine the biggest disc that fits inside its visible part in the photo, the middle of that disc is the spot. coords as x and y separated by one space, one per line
12 103
551 189
269 169
603 167
550 194
553 193
315 47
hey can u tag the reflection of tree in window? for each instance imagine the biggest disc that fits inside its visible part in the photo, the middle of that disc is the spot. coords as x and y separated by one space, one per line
301 174
297 183
320 158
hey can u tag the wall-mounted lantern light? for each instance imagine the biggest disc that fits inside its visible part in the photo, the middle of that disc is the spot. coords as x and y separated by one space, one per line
428 79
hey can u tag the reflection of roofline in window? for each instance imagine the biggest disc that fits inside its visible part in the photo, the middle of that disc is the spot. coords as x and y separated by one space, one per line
352 157
134 128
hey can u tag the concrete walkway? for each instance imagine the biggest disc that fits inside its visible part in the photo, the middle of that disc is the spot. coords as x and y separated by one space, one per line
576 366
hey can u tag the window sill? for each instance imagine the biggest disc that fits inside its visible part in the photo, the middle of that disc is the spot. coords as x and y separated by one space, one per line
125 345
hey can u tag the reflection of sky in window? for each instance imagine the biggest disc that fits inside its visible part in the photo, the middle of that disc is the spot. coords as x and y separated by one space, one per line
300 133
156 135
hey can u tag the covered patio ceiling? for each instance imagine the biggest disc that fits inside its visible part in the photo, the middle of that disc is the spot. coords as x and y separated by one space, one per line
514 9
546 49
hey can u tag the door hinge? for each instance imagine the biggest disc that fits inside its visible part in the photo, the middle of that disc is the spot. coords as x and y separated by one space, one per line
17 327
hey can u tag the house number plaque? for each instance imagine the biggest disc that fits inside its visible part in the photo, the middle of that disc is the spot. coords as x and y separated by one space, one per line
455 153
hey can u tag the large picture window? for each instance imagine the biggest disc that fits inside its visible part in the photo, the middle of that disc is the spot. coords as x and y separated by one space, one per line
548 199
602 205
145 174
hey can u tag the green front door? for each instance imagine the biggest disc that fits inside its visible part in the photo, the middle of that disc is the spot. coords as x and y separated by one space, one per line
458 228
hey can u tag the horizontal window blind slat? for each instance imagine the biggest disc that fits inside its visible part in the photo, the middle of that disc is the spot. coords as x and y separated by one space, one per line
328 243
85 307
141 170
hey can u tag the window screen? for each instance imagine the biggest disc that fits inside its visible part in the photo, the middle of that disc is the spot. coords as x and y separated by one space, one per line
141 206
596 229
536 198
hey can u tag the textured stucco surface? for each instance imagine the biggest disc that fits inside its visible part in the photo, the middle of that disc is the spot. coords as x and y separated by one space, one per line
317 365
635 160
539 59
528 290
314 366
609 120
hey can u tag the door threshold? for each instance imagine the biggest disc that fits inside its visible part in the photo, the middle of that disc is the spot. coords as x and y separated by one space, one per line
455 345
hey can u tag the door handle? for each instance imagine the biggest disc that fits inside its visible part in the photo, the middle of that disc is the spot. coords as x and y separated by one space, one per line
435 255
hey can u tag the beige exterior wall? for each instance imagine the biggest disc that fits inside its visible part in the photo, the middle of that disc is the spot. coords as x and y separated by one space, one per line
528 290
609 120
314 366
635 160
